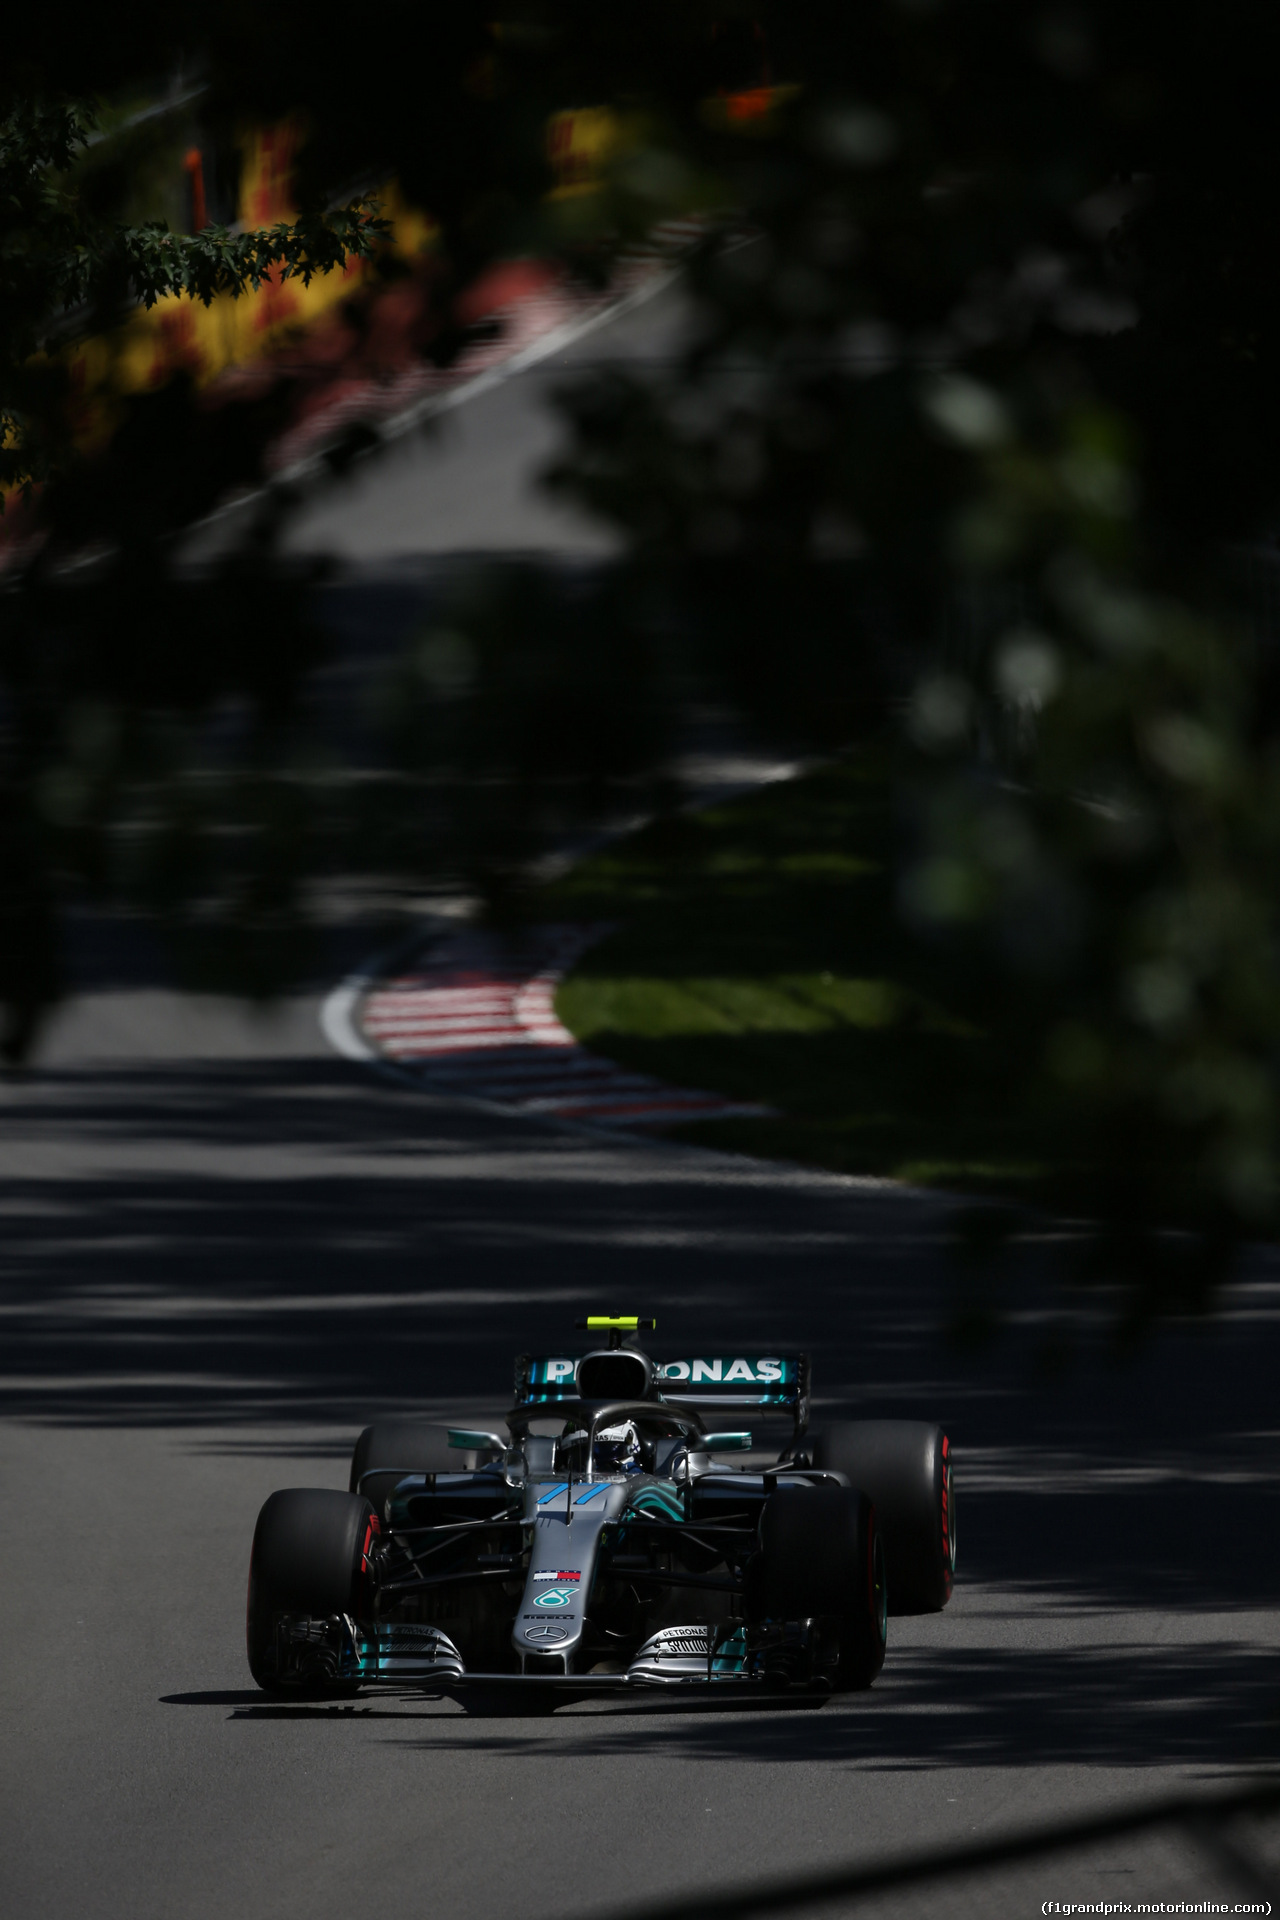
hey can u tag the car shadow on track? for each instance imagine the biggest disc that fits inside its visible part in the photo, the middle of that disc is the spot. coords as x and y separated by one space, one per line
248 1704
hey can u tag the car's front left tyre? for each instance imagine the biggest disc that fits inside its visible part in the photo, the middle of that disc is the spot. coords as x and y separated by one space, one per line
905 1467
310 1560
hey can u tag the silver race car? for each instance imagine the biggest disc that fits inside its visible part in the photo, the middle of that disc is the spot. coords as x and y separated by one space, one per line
606 1541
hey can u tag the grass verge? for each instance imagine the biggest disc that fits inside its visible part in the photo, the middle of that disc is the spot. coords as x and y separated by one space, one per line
757 953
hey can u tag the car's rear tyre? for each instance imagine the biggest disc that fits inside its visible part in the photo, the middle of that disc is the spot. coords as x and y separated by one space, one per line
821 1558
905 1466
309 1558
387 1452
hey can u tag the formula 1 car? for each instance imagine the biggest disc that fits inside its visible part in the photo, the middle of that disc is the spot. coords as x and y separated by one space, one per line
617 1550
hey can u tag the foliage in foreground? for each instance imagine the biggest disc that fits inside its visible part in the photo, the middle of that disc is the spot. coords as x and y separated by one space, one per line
1004 344
980 395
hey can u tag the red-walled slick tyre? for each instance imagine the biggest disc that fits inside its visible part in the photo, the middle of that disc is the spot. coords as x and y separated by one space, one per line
905 1467
308 1559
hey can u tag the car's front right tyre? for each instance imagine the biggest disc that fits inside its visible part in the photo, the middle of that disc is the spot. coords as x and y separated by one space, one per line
309 1558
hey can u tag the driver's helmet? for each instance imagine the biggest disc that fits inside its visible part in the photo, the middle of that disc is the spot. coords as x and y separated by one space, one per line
617 1449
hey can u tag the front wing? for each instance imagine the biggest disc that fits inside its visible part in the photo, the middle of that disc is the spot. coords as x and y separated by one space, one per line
338 1650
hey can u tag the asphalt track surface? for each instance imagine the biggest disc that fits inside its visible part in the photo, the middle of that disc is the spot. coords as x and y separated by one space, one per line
225 1249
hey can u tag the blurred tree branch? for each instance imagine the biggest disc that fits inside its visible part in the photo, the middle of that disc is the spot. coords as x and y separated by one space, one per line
60 256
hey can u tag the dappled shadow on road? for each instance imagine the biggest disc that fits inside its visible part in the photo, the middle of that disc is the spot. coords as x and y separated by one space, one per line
246 1240
254 1241
270 1247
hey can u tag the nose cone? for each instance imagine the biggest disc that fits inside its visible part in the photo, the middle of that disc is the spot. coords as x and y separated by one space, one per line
568 1521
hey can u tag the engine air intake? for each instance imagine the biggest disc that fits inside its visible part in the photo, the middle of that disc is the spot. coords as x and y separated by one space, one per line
614 1376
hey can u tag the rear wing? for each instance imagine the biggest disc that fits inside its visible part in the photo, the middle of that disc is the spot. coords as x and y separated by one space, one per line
545 1380
742 1382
